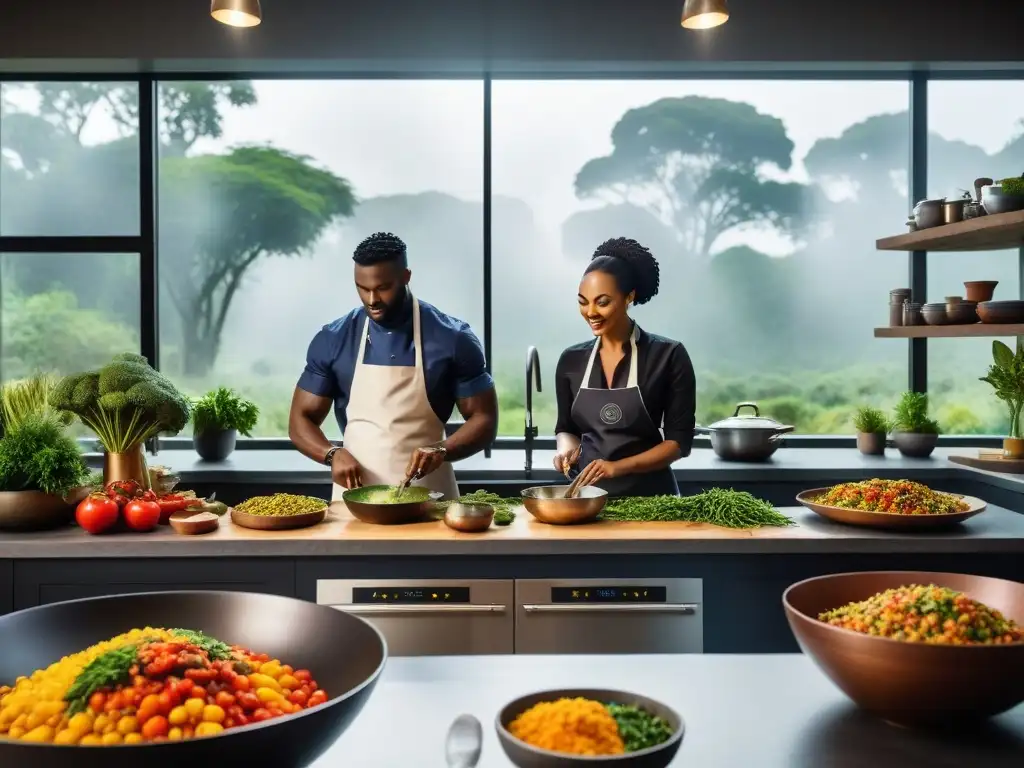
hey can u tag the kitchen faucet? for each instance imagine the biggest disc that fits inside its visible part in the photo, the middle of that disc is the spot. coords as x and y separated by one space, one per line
530 432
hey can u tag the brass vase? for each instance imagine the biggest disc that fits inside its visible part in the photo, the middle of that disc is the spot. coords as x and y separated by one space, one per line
130 465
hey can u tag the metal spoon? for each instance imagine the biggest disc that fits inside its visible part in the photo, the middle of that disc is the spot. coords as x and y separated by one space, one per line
464 743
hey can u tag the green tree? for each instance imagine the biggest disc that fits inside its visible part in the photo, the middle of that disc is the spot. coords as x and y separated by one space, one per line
699 164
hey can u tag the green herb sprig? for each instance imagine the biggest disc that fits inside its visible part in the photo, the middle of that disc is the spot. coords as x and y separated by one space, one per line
214 648
639 729
105 671
717 506
224 409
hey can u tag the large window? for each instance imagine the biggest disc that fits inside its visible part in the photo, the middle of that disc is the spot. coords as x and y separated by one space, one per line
266 187
761 200
962 148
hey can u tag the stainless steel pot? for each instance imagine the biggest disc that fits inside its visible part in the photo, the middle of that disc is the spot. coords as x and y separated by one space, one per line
745 438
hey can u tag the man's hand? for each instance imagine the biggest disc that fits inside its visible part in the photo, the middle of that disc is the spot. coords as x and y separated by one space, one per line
424 461
345 470
567 460
598 470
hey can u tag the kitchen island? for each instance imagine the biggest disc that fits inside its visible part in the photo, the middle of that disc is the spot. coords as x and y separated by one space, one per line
774 711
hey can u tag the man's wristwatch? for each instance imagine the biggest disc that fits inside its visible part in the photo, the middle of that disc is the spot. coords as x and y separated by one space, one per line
329 456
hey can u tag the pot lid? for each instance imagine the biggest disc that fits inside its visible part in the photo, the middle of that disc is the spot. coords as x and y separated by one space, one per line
748 420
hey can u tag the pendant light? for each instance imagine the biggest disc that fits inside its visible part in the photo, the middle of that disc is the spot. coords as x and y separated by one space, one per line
704 14
237 13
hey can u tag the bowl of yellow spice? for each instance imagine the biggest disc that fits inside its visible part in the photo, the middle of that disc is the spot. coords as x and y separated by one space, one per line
556 729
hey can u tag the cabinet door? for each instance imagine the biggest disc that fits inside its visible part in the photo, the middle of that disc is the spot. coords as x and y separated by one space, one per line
6 586
39 582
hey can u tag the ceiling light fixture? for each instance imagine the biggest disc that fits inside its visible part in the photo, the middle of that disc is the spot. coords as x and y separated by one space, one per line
704 14
237 13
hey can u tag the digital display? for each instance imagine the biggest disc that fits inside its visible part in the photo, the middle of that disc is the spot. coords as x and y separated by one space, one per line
622 594
409 595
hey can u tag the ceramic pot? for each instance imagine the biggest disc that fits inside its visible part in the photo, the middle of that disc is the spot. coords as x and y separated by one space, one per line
871 443
214 444
915 445
1013 447
130 465
38 511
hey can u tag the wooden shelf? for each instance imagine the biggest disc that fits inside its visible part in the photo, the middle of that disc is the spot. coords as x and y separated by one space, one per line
985 233
949 331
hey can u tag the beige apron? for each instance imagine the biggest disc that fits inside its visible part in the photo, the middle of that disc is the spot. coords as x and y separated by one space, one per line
389 416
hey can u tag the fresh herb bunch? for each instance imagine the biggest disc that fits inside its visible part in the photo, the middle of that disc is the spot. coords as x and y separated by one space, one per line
214 648
503 514
638 729
717 506
106 671
224 409
911 415
1006 375
870 420
37 455
1013 185
23 398
125 403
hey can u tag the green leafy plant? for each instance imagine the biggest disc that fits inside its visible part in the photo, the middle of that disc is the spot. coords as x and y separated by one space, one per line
37 455
1013 185
911 415
23 398
1006 375
223 409
870 421
125 402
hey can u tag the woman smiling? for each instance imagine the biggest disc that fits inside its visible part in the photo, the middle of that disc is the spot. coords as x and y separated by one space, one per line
626 401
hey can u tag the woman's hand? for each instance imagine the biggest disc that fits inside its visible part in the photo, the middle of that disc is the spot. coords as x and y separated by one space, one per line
566 459
598 470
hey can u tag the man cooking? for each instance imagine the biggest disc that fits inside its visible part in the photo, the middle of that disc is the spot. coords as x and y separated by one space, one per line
394 368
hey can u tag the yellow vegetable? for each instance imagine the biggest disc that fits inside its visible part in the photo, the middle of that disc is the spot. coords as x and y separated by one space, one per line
576 726
43 733
288 682
133 738
213 714
266 694
82 723
91 740
264 681
271 669
67 736
99 725
175 734
128 724
112 738
209 729
194 708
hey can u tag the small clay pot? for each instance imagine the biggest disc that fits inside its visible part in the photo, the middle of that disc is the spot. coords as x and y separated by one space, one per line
871 443
214 444
915 445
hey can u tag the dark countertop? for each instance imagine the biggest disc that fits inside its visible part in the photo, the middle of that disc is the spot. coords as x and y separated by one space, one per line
995 530
829 465
773 711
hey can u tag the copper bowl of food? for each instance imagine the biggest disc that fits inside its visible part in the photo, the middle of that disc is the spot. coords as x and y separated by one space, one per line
549 504
905 683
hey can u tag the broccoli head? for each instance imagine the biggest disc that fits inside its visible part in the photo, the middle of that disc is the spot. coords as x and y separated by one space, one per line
124 403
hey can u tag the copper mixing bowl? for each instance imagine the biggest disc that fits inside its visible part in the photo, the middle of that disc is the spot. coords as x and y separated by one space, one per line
911 684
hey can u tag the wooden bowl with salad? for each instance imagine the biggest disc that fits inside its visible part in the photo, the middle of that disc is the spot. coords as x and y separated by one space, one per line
901 505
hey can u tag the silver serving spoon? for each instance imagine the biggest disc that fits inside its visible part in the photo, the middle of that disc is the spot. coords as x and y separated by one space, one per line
464 742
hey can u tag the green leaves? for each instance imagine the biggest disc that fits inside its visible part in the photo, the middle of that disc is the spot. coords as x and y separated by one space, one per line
870 421
1006 377
638 729
223 409
106 671
37 455
911 414
1002 354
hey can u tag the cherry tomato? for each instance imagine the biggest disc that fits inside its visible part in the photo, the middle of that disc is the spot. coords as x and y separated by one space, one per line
96 513
114 702
286 669
227 674
248 701
260 715
149 708
302 675
242 719
224 699
198 693
96 702
229 722
240 683
317 698
142 515
201 676
298 697
167 702
183 688
155 727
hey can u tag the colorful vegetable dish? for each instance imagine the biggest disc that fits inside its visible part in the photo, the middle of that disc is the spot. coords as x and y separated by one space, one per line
926 614
281 504
586 727
894 497
151 685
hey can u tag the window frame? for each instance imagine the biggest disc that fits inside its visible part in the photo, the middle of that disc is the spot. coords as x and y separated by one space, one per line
145 244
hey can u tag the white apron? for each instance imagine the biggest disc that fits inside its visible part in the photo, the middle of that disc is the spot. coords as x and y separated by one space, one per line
389 416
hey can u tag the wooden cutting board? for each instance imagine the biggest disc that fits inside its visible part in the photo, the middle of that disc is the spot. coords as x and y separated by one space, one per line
992 460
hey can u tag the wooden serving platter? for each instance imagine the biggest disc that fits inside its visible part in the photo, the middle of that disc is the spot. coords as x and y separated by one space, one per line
277 522
993 461
888 520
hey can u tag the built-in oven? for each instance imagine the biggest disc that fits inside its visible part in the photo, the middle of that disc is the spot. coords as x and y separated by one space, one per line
579 616
430 618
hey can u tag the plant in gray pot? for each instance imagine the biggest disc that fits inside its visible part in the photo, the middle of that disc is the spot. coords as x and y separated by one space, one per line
914 433
872 427
217 419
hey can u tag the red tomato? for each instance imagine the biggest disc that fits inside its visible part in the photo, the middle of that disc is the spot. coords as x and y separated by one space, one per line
183 688
142 515
260 715
249 701
224 699
318 697
96 702
155 727
240 683
96 513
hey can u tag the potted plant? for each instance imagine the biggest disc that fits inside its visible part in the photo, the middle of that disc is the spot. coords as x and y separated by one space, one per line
1006 375
43 474
872 427
217 418
125 403
914 434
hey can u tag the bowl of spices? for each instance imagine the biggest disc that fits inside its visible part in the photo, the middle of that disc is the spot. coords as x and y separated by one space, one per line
281 511
558 728
917 649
